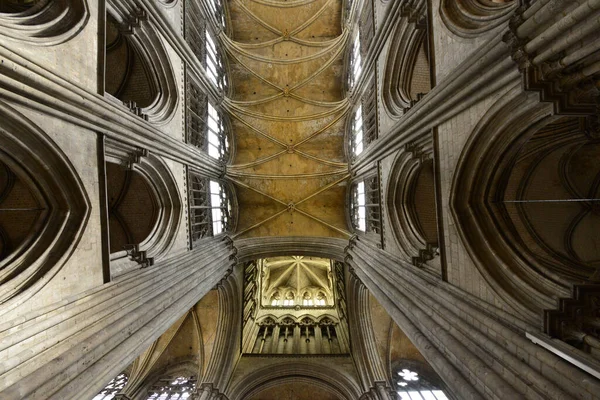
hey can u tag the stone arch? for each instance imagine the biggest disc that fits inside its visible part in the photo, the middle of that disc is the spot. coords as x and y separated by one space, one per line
168 3
300 386
43 22
317 375
519 207
411 206
470 18
154 205
407 70
27 152
132 206
138 70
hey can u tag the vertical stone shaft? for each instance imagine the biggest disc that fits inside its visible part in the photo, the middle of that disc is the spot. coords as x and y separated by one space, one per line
478 350
72 349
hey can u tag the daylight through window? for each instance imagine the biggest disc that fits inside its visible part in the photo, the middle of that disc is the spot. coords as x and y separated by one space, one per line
218 142
220 207
355 62
172 388
113 387
357 132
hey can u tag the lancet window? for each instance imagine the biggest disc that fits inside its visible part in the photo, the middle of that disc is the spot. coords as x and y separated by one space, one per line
216 7
210 207
357 137
214 63
203 43
173 388
365 205
355 62
206 128
113 387
363 128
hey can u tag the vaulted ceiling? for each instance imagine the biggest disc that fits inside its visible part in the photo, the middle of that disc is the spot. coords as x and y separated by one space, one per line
288 112
296 275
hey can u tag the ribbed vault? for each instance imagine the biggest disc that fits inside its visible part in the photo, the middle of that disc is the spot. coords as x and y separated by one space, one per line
288 109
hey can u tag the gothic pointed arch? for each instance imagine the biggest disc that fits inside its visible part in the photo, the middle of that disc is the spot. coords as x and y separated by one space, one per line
524 202
45 209
407 69
43 22
144 207
470 18
326 379
138 72
411 206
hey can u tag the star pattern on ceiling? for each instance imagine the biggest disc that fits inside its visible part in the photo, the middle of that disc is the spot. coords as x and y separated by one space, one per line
297 281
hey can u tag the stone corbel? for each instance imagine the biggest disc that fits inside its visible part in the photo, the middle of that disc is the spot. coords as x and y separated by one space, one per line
134 21
139 256
132 106
426 254
135 157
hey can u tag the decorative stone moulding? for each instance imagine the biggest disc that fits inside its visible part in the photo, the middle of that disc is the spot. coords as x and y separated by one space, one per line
405 182
168 3
164 187
47 22
56 186
408 38
142 44
293 371
470 18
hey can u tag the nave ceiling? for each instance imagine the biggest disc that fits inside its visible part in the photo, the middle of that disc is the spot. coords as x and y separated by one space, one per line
288 113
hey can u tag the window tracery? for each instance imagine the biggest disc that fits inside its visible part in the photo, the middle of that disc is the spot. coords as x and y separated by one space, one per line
355 62
173 388
356 142
363 128
214 63
210 207
206 128
115 386
202 42
365 205
218 11
410 385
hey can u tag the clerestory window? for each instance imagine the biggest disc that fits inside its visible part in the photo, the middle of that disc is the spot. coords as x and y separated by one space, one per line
217 9
355 62
365 205
214 64
206 128
172 388
210 207
357 143
114 386
411 386
220 207
218 141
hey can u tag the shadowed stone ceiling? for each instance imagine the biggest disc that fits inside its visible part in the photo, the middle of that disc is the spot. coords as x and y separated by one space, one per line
288 116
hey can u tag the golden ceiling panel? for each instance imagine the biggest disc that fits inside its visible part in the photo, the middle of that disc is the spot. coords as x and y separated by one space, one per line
288 116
